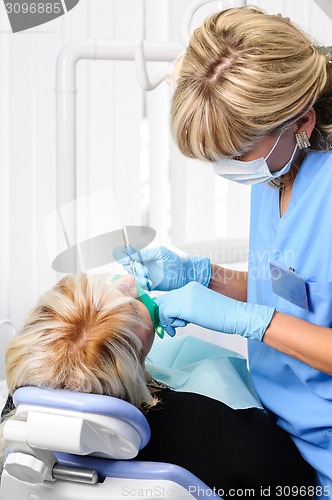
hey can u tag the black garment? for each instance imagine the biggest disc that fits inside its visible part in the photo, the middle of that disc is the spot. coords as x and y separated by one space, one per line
9 406
227 449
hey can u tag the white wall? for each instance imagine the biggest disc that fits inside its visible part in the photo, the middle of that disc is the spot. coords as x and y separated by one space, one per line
110 107
152 183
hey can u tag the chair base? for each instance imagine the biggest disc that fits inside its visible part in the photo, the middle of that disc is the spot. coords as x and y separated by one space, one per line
111 488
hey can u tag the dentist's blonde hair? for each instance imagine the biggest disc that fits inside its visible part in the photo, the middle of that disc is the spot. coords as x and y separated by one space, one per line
246 74
81 336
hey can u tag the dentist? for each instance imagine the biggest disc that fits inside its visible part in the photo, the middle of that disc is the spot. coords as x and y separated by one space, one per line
254 98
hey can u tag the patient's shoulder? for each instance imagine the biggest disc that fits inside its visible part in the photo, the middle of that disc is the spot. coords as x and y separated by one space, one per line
183 403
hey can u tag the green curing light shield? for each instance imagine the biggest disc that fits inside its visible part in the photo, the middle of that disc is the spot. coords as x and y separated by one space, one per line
153 309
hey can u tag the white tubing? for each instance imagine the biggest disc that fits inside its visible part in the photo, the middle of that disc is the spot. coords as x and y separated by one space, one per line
109 50
10 324
66 97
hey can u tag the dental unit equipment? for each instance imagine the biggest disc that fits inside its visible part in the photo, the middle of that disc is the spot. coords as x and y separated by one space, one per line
72 446
66 96
140 52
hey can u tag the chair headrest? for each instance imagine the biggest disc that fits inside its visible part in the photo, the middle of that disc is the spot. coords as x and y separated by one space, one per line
102 425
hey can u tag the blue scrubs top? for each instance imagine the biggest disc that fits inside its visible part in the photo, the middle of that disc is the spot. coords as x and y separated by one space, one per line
299 395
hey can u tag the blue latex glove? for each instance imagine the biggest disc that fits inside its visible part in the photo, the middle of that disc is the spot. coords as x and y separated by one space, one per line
159 268
197 304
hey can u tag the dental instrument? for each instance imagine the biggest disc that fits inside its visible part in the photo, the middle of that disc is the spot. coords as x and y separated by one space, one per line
126 242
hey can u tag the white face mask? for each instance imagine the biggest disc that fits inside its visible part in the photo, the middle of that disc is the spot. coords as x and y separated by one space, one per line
250 172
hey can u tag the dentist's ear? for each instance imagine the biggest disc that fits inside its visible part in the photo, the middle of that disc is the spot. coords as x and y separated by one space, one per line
307 122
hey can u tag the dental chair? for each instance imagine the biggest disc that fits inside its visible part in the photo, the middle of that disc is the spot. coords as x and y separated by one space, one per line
71 446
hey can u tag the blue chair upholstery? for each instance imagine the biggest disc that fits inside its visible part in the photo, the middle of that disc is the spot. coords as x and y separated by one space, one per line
114 478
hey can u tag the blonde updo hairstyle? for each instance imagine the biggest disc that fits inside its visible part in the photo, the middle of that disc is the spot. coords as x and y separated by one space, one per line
244 75
81 337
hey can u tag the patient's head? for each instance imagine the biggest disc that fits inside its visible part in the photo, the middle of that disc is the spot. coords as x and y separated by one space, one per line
86 334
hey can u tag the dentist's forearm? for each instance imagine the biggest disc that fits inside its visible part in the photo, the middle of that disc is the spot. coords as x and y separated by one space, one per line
304 341
229 282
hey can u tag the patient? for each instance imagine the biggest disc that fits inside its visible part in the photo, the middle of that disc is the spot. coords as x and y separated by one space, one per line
92 335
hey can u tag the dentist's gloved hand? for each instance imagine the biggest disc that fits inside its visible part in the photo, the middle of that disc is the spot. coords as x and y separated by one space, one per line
159 268
197 304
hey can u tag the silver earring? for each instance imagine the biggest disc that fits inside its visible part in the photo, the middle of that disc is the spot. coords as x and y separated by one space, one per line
302 140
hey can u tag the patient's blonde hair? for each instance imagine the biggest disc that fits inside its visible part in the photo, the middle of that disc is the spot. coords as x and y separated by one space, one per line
81 337
246 74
